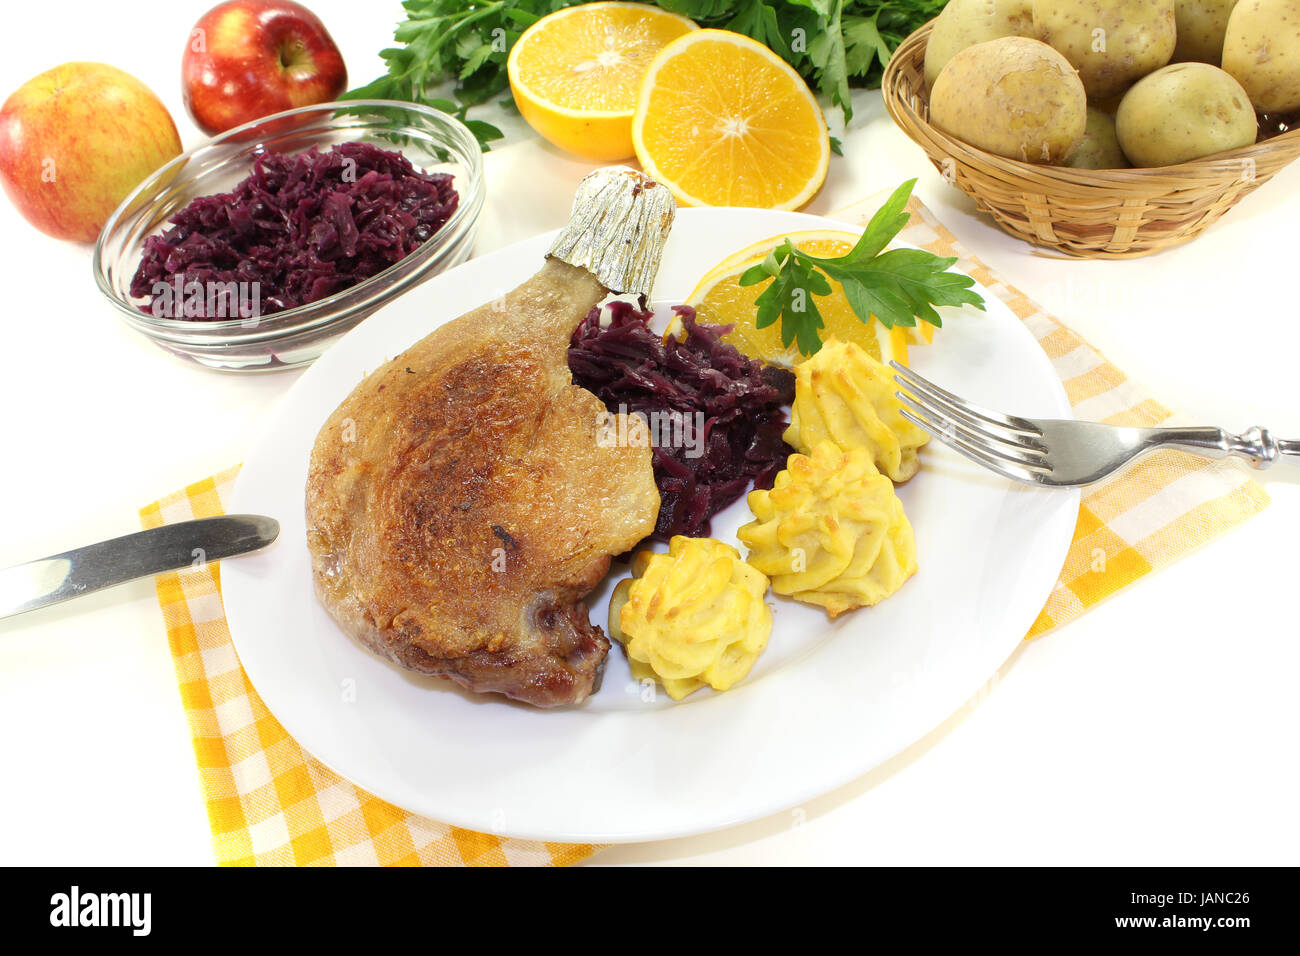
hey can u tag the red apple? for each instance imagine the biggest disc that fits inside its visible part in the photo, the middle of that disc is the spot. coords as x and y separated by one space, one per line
75 140
250 58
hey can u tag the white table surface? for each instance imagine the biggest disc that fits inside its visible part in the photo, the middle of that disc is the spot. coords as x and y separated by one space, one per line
1159 729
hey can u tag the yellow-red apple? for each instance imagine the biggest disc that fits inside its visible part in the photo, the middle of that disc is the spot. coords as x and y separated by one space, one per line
75 140
246 59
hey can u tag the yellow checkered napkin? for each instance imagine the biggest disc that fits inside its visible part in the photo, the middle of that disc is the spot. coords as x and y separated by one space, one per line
271 803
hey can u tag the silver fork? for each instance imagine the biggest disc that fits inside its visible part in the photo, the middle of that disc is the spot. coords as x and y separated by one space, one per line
1062 453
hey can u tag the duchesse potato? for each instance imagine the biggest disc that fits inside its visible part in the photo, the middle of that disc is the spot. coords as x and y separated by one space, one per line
831 531
691 618
844 395
1201 25
1099 148
1261 49
963 23
1183 112
1112 43
1013 96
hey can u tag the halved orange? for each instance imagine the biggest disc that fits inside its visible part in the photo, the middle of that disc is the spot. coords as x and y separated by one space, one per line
723 121
575 73
720 299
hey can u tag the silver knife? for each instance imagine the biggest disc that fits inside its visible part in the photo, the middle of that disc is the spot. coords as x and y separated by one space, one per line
25 587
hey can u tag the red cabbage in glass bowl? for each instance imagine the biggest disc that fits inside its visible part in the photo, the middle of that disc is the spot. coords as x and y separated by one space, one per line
280 337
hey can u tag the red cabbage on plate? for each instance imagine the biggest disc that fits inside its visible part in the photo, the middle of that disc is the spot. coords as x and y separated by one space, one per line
731 407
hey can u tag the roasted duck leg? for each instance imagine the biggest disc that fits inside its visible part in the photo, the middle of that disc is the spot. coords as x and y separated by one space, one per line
459 503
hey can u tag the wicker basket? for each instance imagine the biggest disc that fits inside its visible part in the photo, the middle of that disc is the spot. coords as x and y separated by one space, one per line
1097 214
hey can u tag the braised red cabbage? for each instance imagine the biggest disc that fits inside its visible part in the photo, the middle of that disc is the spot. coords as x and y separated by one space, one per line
630 368
302 226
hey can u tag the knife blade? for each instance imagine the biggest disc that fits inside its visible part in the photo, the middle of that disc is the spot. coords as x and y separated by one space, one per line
25 587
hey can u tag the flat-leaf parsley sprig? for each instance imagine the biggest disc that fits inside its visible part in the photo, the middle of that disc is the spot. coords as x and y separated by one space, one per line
897 287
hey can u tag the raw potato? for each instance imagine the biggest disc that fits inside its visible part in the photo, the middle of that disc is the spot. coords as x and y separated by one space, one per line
1099 148
1112 43
1184 112
1013 96
1201 26
964 23
1262 50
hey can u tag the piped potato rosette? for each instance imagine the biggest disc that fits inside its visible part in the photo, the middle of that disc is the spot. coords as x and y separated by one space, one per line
831 532
845 396
691 618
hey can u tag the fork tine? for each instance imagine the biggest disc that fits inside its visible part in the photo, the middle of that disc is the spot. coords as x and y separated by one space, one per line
978 427
957 436
996 446
1014 472
916 382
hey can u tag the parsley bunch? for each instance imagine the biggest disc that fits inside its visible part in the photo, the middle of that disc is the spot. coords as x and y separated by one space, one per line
834 44
897 287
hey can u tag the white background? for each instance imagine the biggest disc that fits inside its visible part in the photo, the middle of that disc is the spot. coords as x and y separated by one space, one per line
1159 729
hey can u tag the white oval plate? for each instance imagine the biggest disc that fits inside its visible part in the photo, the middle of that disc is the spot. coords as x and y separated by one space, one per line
827 701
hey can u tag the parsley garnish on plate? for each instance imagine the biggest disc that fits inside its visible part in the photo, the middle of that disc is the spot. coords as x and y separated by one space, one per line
897 286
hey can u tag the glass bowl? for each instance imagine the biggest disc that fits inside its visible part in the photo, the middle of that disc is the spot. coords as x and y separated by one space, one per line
430 139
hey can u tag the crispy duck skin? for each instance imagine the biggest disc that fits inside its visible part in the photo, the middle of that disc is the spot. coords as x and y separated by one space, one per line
460 505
